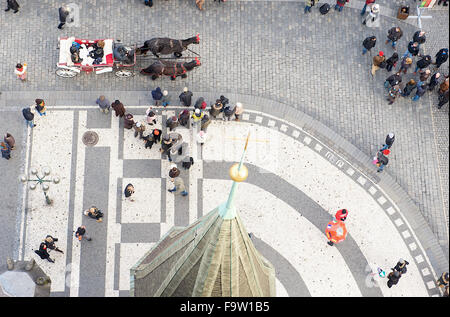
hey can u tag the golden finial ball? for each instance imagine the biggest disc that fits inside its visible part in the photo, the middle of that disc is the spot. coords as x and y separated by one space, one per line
238 175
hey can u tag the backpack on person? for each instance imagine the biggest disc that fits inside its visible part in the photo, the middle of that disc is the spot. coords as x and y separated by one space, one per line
324 8
383 64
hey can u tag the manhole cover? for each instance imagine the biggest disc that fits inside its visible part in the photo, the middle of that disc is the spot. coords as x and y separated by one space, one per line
90 138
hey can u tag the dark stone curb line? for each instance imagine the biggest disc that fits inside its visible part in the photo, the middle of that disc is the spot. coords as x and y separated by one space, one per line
15 100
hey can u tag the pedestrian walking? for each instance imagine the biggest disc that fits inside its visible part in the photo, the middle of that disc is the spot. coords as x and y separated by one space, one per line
393 80
409 87
216 109
412 50
103 104
151 116
205 122
139 129
178 186
228 112
183 117
174 171
444 86
199 4
391 62
94 213
378 62
157 95
401 266
369 43
28 114
43 252
200 104
50 243
149 140
441 57
119 109
172 123
64 12
341 214
382 160
186 97
394 34
443 99
434 81
393 94
405 65
157 135
21 71
197 116
309 4
128 121
10 141
82 233
424 75
148 3
166 144
443 280
40 107
128 191
224 100
393 278
371 19
389 141
423 63
239 110
419 37
6 150
12 4
165 100
421 89
366 3
340 5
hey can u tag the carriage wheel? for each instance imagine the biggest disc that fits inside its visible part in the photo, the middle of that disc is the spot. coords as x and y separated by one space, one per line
183 76
154 77
173 77
177 54
124 73
65 73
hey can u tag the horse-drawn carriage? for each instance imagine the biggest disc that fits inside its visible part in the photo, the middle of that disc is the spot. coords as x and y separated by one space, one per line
79 55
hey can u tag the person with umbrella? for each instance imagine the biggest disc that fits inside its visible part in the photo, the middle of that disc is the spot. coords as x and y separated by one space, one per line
335 232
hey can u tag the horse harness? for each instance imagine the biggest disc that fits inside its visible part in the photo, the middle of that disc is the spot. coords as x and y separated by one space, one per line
183 69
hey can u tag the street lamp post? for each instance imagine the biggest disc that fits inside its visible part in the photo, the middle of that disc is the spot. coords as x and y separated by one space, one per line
41 181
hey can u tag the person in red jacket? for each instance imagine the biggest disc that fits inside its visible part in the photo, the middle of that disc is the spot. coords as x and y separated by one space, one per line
365 6
341 214
340 5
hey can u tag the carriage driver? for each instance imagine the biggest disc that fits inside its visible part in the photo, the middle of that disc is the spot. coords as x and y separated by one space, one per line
121 53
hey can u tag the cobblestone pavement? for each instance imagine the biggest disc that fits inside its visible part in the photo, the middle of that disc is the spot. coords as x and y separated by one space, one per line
263 48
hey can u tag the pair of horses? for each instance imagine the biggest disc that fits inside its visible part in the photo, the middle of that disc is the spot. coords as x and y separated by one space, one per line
166 46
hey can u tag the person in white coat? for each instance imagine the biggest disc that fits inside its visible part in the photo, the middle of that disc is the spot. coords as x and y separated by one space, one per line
371 19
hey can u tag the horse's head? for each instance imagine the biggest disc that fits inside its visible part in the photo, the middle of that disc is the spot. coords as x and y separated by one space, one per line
194 39
197 39
192 64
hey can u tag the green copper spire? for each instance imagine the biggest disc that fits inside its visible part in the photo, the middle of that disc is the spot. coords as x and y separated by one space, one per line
238 173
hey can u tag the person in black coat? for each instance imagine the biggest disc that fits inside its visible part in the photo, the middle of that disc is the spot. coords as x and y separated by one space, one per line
224 100
43 253
441 57
421 90
64 12
409 87
369 43
12 4
393 80
443 99
412 50
157 95
394 34
28 114
183 117
186 97
434 81
422 63
391 62
129 190
50 243
390 138
382 160
419 37
401 266
393 278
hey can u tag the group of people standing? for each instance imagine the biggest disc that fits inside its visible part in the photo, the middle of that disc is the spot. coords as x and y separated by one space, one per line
424 77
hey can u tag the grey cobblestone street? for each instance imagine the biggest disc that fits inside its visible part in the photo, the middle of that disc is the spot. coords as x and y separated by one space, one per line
269 49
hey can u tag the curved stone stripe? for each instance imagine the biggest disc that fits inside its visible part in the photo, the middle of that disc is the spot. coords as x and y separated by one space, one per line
349 250
285 272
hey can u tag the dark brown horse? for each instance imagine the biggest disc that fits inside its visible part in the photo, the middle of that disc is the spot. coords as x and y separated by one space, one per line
170 68
164 46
